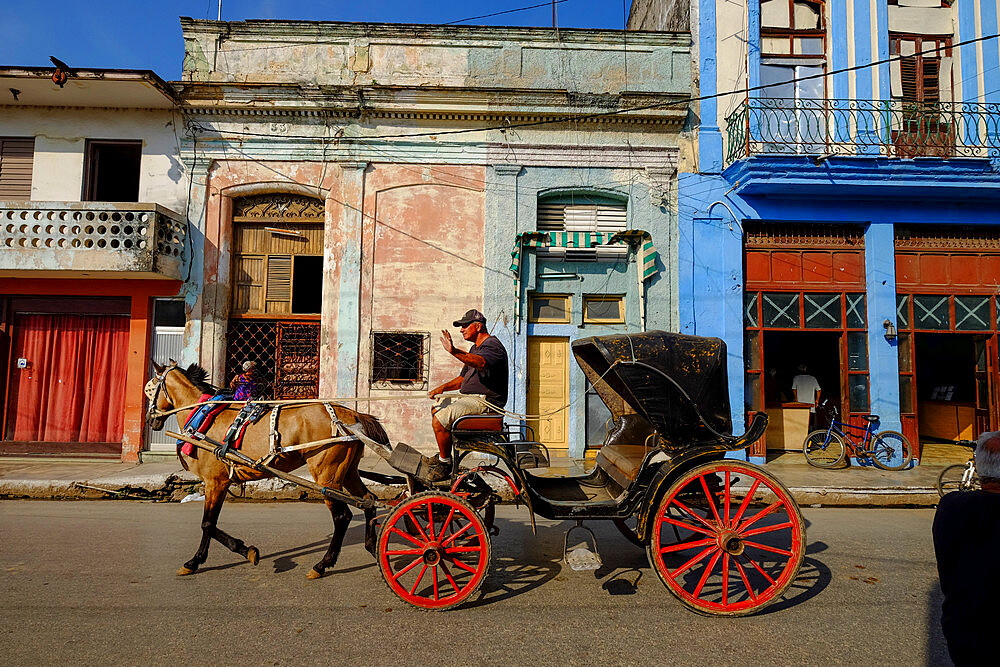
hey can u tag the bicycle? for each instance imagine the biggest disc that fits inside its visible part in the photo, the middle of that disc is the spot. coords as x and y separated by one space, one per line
888 450
961 476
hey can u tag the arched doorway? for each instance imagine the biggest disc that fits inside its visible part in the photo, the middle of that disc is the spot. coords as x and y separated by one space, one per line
276 298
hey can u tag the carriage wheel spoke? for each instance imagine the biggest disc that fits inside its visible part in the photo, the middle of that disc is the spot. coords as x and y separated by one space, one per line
419 577
773 507
746 582
687 545
447 522
767 529
759 568
725 576
461 550
707 573
416 523
693 514
691 563
764 547
430 519
404 552
711 501
407 536
462 565
451 580
407 568
744 504
434 574
456 534
697 529
726 500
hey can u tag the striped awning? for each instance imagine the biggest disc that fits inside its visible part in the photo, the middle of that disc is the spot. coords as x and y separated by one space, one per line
640 240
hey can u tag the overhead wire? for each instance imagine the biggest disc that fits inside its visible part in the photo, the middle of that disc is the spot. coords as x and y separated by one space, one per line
618 112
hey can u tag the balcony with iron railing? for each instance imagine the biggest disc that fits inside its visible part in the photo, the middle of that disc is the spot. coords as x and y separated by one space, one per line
90 239
885 128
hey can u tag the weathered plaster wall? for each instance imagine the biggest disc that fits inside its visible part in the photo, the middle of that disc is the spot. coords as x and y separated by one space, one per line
60 139
422 269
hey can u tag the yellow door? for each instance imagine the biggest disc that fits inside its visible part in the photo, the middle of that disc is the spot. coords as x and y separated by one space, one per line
548 389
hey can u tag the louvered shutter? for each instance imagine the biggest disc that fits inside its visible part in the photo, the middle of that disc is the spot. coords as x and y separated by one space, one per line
16 157
930 82
279 284
908 77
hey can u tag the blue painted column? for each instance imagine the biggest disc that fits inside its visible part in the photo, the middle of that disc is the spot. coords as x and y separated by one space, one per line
709 136
341 318
883 363
499 296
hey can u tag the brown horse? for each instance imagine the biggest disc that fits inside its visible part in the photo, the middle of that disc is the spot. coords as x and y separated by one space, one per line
334 465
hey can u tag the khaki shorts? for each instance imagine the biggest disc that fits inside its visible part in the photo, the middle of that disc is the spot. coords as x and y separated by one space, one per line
450 408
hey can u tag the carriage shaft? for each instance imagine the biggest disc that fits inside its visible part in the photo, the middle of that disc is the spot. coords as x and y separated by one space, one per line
240 460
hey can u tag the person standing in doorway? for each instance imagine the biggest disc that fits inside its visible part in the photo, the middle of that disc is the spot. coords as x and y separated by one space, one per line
246 386
806 389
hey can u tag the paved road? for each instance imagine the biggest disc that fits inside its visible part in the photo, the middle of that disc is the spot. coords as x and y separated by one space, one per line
94 583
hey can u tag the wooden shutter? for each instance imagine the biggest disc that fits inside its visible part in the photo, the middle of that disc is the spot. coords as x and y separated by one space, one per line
16 157
930 80
550 217
908 75
279 284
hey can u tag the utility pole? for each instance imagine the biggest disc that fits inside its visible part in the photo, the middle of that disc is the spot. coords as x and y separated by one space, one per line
220 10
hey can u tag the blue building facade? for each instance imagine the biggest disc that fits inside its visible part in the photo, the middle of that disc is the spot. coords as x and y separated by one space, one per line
844 213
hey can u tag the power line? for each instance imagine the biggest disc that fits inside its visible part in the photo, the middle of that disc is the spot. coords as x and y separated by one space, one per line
507 11
618 112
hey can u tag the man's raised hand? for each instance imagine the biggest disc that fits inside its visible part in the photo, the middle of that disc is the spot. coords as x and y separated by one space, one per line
446 342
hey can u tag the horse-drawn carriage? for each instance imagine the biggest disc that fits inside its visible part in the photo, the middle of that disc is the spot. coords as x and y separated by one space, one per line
724 536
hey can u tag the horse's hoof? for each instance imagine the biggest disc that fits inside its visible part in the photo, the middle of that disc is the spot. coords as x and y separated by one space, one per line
253 555
185 571
313 574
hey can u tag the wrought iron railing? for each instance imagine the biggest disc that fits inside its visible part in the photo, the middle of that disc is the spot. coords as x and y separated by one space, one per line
888 128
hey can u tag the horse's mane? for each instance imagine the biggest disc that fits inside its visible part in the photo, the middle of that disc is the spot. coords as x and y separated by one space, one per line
199 378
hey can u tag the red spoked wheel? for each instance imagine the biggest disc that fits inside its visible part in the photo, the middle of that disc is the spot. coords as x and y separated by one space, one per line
727 550
434 550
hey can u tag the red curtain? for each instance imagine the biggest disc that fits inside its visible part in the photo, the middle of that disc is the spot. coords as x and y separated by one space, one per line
73 389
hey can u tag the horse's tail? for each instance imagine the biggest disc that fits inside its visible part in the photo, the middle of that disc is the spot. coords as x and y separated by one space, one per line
373 428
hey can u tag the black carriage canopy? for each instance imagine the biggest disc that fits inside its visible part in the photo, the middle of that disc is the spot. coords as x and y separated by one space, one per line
677 383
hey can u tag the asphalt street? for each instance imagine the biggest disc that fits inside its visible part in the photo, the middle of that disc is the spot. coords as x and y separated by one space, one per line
94 583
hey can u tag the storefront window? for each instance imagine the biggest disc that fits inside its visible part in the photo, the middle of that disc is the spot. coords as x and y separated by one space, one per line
821 311
750 319
972 313
904 354
857 351
930 311
858 392
780 310
902 311
856 310
906 394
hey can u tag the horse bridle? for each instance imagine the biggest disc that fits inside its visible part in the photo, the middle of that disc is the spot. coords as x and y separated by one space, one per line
152 391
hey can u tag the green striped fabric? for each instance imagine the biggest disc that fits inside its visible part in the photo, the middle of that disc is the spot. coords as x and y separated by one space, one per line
640 240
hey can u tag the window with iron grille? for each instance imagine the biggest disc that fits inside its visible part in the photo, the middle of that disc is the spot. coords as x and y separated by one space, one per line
399 359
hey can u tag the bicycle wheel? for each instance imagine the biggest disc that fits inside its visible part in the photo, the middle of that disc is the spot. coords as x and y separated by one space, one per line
890 450
824 449
952 478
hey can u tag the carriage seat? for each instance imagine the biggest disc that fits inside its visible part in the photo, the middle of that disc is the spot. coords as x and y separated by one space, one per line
622 462
493 423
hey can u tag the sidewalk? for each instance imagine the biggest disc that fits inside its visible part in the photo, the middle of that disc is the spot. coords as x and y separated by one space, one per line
68 479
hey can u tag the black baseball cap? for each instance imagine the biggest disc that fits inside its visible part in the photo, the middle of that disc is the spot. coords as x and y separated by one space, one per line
470 317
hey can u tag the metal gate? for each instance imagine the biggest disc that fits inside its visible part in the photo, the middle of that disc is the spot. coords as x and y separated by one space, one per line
287 355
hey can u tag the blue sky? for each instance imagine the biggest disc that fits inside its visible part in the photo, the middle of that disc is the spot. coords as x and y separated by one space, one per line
145 34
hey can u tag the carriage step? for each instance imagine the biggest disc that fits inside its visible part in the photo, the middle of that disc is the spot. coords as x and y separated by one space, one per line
409 461
581 558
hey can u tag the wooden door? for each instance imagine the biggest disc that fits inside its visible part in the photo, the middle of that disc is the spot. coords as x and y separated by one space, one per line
985 351
548 389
